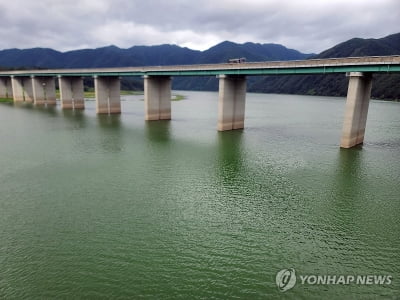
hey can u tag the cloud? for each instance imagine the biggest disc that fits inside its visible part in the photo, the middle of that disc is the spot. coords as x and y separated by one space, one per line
308 25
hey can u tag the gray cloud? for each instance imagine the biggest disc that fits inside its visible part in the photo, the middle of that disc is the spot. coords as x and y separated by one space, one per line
308 25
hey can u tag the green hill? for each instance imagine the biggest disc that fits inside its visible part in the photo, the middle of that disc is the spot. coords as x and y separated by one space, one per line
383 87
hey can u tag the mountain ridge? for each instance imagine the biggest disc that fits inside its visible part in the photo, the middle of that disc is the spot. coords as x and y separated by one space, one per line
164 54
384 86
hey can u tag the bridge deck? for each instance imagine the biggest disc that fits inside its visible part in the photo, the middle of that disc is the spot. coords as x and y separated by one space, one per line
375 64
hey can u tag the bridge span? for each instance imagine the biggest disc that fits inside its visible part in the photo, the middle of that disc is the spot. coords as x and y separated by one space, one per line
38 87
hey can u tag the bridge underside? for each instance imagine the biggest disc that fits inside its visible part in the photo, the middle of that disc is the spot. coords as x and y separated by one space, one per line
44 90
5 87
157 93
71 92
108 96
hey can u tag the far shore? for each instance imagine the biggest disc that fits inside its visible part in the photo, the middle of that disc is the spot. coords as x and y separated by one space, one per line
90 95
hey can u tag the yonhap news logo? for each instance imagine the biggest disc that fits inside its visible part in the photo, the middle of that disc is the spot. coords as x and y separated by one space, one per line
286 279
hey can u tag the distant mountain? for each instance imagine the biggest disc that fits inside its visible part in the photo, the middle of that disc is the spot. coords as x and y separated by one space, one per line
389 45
39 57
110 56
113 56
226 50
251 51
384 86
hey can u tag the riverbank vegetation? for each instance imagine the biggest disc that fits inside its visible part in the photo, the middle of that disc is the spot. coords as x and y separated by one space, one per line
178 97
91 95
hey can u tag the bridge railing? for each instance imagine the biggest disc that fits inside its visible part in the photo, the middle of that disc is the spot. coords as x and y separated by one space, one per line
129 71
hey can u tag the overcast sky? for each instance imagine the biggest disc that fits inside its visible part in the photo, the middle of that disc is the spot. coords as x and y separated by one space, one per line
305 25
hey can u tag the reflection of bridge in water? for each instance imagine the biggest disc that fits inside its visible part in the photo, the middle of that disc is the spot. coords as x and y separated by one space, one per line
38 87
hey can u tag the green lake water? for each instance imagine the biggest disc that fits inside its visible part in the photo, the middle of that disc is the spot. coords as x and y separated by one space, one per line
113 207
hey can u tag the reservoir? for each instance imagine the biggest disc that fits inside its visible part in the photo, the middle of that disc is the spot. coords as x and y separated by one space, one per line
97 206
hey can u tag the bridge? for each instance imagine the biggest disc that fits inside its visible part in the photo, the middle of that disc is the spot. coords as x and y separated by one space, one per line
38 87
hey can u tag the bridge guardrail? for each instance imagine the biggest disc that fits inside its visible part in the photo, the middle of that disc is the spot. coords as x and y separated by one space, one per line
140 71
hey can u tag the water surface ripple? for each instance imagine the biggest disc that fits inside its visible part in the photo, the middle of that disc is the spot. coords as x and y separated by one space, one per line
97 206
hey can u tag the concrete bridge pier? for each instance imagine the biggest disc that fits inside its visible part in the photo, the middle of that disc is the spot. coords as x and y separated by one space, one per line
22 89
157 97
9 88
5 87
231 103
44 90
71 92
357 103
108 94
28 89
18 89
